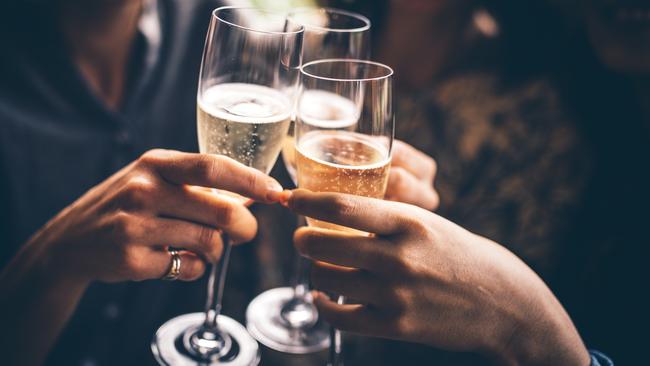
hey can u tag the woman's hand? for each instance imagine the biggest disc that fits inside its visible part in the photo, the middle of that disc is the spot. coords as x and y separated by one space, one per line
412 173
120 229
423 279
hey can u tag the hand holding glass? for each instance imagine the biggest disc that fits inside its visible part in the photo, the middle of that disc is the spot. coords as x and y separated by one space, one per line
345 152
247 81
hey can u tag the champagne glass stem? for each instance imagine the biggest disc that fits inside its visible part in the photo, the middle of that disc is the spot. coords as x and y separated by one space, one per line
213 303
301 279
336 342
301 283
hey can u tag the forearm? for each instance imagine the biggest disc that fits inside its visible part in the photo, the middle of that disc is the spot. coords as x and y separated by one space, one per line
545 335
37 301
530 325
554 343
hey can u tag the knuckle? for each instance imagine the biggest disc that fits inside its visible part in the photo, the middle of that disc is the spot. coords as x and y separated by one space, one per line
415 225
207 166
225 214
138 191
251 180
342 206
403 325
205 237
302 239
398 262
399 147
123 227
152 157
398 177
399 298
434 201
134 264
433 166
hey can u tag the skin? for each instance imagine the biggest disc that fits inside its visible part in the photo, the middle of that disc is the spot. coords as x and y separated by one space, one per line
99 35
411 178
406 41
421 278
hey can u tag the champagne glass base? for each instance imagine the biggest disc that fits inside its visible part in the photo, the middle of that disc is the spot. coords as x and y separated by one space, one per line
168 344
265 324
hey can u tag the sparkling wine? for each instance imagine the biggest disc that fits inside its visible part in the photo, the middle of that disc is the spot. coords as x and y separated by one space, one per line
246 122
321 109
289 154
342 161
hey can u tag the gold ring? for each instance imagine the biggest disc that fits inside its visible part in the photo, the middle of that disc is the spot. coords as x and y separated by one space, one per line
174 267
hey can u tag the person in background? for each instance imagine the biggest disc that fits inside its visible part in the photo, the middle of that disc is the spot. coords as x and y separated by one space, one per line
88 89
512 163
541 151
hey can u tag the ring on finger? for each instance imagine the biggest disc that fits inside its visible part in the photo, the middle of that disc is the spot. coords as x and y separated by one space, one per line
174 270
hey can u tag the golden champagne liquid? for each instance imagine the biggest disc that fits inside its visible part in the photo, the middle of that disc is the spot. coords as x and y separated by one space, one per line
342 161
245 122
321 109
289 154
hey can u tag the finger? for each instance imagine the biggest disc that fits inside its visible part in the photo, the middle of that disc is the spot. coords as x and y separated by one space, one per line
213 171
421 165
362 213
350 318
201 239
405 187
160 261
210 209
343 249
348 282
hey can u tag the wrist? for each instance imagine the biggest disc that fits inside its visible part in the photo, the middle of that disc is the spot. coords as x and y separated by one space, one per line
50 265
543 335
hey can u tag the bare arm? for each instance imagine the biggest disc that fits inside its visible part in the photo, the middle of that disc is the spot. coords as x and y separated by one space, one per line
37 302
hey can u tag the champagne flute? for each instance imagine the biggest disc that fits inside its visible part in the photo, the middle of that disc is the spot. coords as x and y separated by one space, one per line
247 83
329 33
346 153
284 318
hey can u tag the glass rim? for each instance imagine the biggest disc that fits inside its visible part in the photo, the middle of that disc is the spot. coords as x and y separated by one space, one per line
388 74
215 14
291 15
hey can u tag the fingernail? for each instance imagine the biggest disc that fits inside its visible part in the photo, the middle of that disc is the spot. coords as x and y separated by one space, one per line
285 197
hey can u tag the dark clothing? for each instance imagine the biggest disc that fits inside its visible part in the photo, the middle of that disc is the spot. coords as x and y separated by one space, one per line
557 175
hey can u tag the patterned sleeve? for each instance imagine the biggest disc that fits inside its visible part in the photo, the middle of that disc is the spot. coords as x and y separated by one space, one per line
511 163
